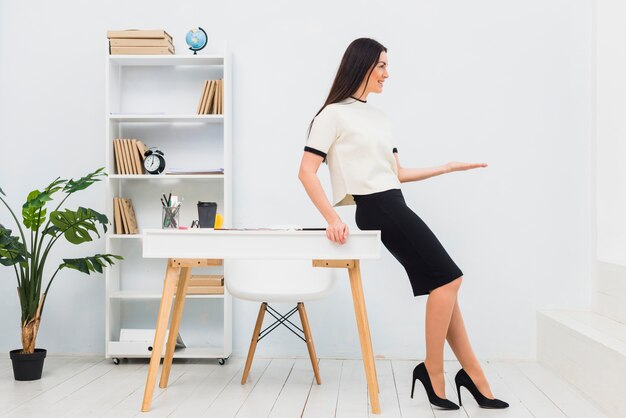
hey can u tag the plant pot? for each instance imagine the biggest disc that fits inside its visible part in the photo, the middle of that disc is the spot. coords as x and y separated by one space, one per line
28 366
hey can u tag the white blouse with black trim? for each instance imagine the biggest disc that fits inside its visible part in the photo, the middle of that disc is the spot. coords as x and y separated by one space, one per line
355 139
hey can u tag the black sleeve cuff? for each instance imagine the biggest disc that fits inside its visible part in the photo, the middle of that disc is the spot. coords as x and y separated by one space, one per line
395 150
316 152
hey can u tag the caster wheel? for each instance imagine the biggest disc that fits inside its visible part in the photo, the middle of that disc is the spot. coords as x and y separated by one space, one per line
221 361
116 360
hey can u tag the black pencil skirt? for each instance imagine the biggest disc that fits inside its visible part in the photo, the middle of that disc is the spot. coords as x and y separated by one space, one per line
408 239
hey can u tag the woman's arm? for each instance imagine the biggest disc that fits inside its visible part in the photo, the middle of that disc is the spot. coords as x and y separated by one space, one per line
336 230
414 174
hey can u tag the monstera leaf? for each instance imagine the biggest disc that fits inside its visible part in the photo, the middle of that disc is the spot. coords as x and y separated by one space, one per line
82 183
34 211
12 250
89 264
76 225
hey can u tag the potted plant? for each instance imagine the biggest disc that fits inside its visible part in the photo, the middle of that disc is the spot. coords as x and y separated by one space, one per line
28 258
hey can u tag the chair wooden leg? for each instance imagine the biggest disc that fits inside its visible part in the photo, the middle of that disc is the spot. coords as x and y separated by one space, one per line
255 339
309 341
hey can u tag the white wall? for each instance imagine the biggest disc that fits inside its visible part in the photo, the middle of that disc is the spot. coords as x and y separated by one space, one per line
500 82
609 295
611 129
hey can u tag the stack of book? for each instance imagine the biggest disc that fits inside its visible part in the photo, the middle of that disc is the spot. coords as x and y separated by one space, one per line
124 216
129 156
206 284
212 98
140 42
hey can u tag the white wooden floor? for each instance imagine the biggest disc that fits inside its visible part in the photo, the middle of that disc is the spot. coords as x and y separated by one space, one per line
92 387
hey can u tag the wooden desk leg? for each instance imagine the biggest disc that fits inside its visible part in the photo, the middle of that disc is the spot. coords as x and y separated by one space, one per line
364 335
169 286
367 326
179 304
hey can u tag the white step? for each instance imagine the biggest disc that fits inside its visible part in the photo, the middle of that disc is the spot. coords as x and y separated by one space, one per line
589 351
609 295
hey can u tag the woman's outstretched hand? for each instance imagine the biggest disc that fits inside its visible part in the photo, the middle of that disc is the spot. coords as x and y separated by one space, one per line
337 232
459 166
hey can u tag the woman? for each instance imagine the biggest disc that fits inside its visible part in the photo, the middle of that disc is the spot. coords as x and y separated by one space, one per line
354 139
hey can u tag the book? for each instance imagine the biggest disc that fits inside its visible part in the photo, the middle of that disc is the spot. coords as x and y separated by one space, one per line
202 96
127 160
135 154
222 97
209 99
116 156
221 102
131 153
205 290
213 108
142 50
138 33
218 98
206 97
141 149
117 217
127 207
140 42
122 215
120 155
206 280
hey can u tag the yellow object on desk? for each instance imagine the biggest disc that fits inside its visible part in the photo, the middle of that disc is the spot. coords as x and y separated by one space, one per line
219 221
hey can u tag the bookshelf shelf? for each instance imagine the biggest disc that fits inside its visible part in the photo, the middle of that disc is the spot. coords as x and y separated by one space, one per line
153 99
200 352
156 296
167 176
124 236
138 349
160 60
163 118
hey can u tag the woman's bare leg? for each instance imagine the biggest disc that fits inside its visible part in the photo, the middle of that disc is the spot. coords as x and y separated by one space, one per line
439 309
460 345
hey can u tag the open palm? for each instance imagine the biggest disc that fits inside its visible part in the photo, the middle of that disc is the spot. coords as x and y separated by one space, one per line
460 166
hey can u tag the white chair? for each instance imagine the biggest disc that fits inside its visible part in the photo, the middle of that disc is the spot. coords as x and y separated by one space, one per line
273 281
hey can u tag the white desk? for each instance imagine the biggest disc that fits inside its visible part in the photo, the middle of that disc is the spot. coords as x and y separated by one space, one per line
200 247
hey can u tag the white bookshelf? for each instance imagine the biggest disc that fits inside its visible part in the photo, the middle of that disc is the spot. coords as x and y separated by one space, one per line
154 99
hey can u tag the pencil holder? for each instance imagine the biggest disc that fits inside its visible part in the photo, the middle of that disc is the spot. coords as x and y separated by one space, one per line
169 217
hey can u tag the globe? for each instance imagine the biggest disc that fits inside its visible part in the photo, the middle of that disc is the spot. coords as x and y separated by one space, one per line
196 39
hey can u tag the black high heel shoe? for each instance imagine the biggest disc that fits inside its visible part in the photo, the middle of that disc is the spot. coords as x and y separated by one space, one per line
421 373
463 379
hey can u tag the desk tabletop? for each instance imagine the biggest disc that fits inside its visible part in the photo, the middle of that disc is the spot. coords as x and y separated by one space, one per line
257 243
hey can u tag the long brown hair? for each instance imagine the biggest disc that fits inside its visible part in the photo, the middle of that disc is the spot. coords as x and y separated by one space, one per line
359 59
